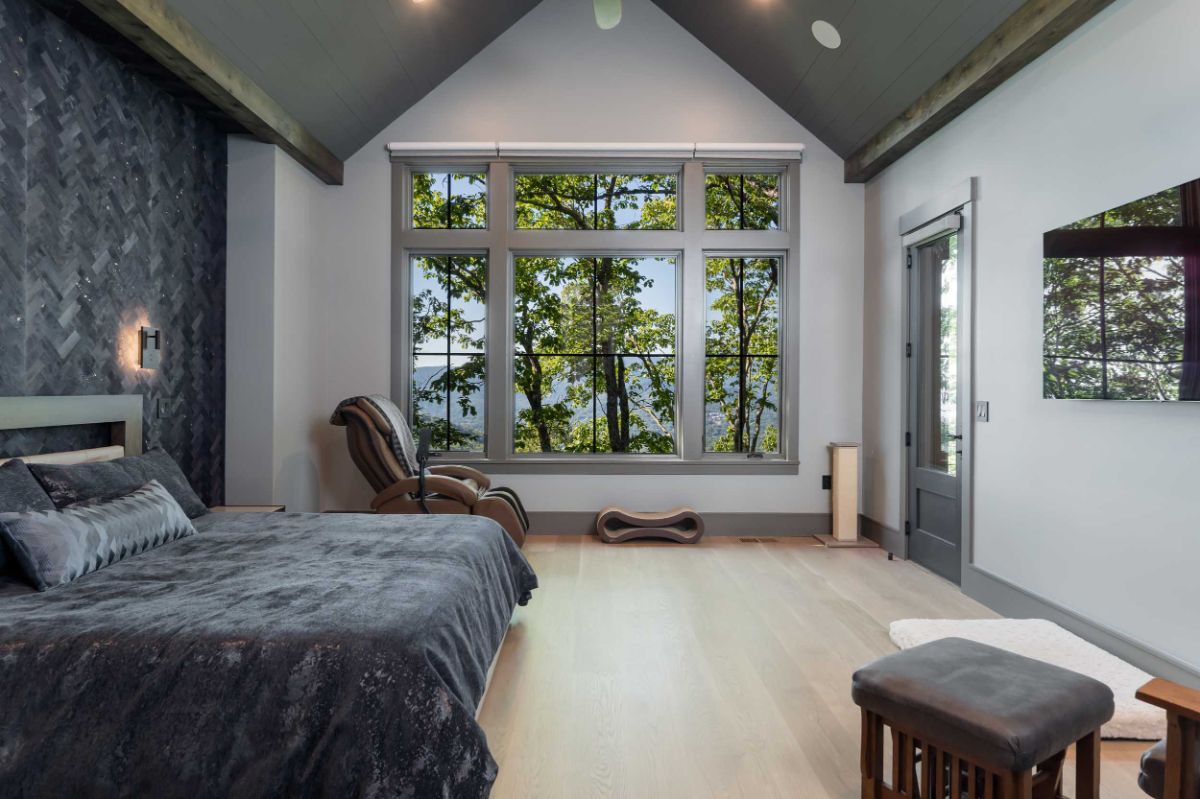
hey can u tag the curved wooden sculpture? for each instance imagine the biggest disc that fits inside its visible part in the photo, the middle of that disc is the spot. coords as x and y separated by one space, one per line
683 525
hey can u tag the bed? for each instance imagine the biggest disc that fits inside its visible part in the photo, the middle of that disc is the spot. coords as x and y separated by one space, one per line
269 654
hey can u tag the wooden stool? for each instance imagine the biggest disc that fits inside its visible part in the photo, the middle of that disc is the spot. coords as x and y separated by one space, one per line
615 525
972 721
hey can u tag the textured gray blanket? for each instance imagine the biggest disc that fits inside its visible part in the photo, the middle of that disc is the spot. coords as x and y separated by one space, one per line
269 655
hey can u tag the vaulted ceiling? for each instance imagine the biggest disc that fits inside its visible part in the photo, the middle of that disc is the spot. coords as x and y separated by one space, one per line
891 52
347 68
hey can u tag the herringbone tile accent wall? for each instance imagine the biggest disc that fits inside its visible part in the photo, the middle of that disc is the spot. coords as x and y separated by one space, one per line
112 215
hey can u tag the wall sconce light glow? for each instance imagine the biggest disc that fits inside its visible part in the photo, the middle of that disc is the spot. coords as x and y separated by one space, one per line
826 34
151 348
608 13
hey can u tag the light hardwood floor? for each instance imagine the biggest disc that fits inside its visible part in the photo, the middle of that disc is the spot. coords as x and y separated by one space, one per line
723 669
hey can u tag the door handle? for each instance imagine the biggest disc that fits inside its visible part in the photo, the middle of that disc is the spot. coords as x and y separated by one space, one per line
956 437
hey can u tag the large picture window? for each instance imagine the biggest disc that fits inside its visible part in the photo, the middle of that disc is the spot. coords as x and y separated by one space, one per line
628 315
449 312
741 358
594 364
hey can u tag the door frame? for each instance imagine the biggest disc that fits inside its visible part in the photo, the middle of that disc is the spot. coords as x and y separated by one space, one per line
958 200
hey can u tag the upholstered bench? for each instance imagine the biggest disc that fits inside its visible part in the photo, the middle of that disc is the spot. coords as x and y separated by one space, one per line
994 724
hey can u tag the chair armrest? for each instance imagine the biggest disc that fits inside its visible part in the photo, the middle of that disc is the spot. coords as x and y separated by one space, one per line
434 484
464 473
1171 697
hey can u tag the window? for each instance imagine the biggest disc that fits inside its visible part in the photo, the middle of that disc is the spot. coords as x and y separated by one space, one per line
741 358
594 360
449 312
741 202
449 200
620 316
595 201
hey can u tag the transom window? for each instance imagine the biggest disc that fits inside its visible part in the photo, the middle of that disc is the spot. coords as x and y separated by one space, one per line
620 312
566 201
737 201
449 200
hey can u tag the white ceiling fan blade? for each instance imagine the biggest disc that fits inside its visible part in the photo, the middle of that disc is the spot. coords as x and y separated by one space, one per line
608 13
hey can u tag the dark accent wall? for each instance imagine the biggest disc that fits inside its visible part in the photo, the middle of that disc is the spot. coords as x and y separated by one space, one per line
112 215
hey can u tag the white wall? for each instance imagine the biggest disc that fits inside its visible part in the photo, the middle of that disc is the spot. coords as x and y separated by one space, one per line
554 76
272 236
1094 506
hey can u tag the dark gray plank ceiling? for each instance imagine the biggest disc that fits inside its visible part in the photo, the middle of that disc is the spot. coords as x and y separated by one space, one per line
892 51
347 68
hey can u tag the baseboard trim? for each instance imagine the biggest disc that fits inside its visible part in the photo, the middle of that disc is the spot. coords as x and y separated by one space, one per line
783 525
890 539
1017 603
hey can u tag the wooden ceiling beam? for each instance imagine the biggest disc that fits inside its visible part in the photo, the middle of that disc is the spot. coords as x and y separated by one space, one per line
190 60
1032 29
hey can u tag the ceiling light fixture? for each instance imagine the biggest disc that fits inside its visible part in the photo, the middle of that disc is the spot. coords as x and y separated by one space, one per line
608 13
826 34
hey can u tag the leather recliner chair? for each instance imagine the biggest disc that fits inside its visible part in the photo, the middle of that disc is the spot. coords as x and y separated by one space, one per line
381 445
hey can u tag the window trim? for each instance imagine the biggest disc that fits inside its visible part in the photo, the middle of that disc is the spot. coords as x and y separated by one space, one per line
691 241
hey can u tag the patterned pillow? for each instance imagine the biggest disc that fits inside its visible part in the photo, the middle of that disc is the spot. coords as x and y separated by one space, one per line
58 546
19 491
80 482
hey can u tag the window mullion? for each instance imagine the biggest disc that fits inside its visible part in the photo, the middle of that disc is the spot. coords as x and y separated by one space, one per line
690 343
498 405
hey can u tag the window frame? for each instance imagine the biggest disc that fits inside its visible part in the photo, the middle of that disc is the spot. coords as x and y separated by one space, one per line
690 243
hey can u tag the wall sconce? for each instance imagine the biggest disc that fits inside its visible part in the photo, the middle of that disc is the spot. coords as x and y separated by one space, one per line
150 339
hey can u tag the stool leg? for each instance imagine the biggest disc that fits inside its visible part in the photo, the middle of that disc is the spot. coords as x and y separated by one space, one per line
871 753
1087 766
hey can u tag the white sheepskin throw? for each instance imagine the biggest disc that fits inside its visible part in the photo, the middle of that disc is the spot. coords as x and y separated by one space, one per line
1046 641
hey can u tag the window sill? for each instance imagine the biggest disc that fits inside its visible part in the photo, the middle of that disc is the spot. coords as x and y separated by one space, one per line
630 466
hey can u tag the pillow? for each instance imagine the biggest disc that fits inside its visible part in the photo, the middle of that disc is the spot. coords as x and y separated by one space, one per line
19 491
68 485
57 546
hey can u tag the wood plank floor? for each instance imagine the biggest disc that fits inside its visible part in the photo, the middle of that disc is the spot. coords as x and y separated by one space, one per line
664 670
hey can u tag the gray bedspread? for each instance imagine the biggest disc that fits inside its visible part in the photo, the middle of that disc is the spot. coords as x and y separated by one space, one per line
269 655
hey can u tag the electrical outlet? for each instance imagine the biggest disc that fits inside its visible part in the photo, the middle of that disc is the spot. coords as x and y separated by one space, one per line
982 411
827 482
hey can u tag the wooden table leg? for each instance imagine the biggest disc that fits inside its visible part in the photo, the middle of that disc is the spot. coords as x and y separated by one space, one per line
1087 766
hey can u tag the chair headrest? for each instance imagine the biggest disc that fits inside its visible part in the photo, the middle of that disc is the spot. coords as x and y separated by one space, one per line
387 423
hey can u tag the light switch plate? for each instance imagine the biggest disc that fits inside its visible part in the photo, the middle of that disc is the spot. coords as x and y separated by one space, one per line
168 407
981 411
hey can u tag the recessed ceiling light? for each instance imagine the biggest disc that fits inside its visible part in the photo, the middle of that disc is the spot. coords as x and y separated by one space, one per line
826 34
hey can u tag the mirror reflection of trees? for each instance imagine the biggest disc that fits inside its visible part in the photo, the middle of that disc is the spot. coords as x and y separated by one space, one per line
1121 303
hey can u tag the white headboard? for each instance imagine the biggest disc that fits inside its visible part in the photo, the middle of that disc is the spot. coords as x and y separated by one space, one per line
123 413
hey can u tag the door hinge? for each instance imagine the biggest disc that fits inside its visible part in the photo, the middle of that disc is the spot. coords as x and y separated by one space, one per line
908 261
907 528
908 350
908 439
